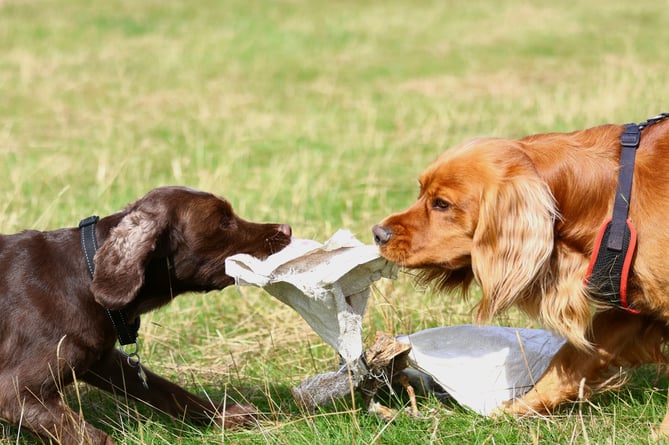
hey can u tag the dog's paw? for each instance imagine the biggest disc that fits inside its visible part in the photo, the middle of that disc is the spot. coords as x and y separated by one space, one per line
239 416
500 411
513 407
525 406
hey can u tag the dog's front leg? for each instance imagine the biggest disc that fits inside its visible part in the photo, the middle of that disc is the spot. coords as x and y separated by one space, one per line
559 383
50 418
664 426
618 338
113 373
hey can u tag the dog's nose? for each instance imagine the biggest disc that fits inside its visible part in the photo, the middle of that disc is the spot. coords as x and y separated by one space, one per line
381 235
285 229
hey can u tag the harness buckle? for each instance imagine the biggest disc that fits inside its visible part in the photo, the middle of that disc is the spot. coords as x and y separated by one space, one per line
631 136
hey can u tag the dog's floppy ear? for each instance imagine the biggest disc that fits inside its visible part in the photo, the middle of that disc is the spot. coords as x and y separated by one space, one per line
513 240
122 258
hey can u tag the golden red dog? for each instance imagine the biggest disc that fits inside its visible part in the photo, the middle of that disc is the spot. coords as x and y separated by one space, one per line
520 218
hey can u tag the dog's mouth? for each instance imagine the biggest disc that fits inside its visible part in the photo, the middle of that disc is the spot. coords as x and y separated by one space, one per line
400 254
396 256
274 242
395 246
397 251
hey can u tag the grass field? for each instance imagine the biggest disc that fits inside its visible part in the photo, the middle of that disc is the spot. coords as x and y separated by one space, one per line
320 114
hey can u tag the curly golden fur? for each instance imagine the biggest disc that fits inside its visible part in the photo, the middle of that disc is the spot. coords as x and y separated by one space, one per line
520 218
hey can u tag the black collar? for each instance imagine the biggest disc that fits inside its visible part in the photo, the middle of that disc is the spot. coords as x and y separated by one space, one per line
126 332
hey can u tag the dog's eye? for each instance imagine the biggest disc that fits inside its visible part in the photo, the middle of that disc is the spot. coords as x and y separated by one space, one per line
440 204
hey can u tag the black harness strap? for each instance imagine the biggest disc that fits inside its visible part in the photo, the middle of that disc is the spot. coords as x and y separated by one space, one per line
126 332
614 249
629 142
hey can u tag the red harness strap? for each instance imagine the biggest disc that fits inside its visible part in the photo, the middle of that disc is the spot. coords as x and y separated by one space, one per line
613 254
609 270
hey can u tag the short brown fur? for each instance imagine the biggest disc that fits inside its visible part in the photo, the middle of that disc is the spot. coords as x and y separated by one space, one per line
54 328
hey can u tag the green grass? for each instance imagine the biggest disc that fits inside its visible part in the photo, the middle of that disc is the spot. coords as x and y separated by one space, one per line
320 114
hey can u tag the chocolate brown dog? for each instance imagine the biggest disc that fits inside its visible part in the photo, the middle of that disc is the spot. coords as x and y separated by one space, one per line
55 322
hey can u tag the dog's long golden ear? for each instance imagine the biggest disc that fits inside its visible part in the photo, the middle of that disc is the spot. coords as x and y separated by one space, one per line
513 241
122 258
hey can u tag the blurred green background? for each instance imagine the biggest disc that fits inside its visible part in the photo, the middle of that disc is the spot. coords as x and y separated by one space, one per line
320 114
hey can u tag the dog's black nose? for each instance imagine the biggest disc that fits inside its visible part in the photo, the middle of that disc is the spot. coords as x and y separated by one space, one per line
381 234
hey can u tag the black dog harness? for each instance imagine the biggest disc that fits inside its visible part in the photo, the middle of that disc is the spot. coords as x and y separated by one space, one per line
612 256
125 332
